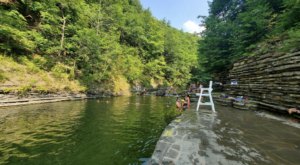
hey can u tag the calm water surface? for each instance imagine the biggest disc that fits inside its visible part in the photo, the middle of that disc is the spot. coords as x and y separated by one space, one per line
124 130
121 130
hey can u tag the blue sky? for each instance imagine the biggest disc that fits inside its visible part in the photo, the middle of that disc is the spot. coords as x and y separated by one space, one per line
181 13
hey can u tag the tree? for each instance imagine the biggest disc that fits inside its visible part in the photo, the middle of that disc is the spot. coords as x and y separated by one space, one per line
99 42
235 28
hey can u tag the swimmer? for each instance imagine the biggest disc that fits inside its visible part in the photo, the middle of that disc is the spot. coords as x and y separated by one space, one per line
178 103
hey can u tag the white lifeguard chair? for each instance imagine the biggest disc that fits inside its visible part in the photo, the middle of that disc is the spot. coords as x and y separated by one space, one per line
206 92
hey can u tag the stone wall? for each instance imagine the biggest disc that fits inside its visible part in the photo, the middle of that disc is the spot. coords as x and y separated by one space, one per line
271 80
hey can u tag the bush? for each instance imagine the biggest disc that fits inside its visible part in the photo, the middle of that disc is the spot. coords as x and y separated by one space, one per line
293 42
2 77
23 90
40 61
31 67
61 71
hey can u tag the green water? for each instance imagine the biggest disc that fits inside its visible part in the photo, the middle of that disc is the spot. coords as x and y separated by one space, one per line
121 130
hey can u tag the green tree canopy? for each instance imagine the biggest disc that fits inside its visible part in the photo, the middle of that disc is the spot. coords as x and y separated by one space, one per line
99 41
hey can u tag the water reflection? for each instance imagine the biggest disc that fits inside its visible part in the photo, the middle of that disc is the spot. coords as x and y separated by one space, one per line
121 130
27 134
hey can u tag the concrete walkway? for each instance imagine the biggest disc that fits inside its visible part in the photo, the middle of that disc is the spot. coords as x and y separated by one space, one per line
192 139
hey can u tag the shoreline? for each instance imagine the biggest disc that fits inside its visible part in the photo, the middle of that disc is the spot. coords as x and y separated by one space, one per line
8 100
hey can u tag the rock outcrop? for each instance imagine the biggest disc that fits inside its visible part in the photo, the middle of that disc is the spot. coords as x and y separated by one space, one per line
271 80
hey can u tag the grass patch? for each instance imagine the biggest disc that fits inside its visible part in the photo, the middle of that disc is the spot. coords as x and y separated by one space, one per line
28 75
2 77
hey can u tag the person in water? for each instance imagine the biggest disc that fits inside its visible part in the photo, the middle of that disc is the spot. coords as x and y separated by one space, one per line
188 99
178 103
186 102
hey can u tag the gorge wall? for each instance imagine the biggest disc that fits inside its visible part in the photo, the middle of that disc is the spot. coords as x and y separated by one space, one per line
271 80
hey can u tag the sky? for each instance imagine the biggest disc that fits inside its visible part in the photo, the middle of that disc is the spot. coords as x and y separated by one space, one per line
182 14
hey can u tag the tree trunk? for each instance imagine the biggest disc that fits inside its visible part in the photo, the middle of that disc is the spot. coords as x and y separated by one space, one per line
98 18
62 34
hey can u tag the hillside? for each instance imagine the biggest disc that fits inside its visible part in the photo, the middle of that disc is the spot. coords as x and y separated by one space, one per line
90 46
25 75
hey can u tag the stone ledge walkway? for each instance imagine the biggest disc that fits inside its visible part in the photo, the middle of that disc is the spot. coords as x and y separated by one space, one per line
39 100
191 139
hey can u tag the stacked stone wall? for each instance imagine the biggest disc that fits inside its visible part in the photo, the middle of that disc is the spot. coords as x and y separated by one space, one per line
271 80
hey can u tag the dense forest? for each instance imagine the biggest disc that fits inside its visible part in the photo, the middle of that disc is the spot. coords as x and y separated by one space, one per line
114 45
90 45
239 28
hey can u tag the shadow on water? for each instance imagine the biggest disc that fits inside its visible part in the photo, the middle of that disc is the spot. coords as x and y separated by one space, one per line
121 130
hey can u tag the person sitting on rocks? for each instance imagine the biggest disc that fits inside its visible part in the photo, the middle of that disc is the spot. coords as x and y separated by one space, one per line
293 110
238 99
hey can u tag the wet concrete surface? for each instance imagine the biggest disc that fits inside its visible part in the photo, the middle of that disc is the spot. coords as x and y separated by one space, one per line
228 137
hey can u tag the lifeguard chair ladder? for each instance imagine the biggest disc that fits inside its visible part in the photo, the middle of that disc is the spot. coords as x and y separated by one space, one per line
206 92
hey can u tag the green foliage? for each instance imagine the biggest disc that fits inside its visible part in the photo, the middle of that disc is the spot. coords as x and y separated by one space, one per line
31 67
61 71
291 16
40 61
23 90
97 43
237 28
254 23
293 41
23 76
134 66
14 33
2 77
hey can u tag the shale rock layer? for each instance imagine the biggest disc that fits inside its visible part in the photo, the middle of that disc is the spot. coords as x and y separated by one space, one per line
272 80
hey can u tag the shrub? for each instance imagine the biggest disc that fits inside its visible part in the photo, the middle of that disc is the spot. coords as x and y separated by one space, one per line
61 71
2 77
40 61
31 67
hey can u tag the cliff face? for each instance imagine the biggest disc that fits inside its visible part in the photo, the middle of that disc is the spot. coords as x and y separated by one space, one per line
272 80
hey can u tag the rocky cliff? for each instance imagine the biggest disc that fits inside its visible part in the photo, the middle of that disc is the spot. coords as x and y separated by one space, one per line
272 80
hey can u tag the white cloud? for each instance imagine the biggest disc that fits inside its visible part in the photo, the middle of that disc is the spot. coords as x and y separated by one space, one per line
192 27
